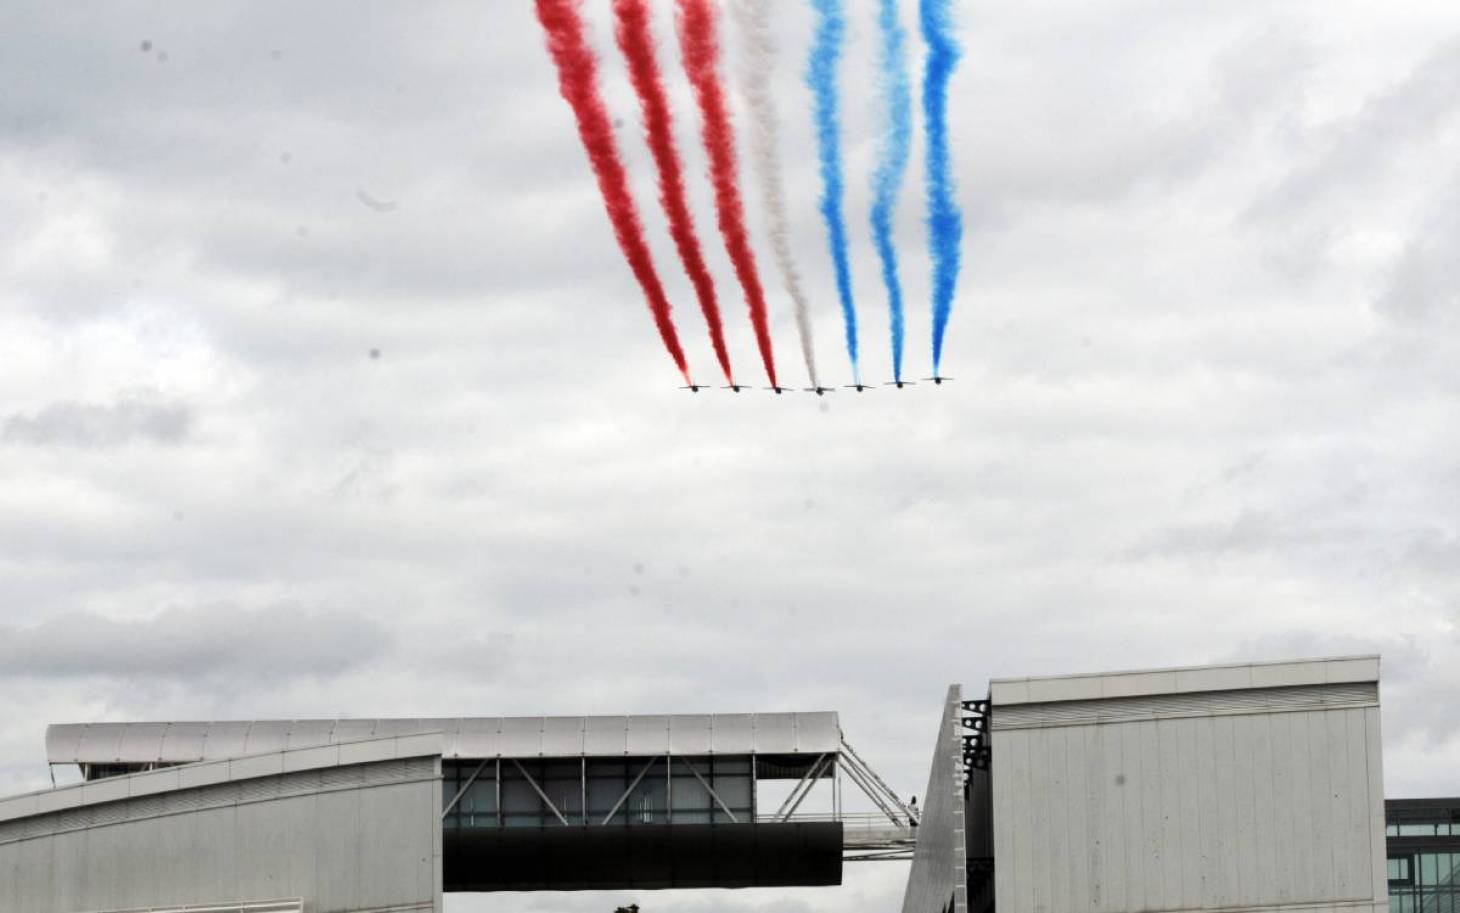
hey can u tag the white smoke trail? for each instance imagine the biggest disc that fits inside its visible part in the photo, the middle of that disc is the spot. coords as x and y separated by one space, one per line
757 63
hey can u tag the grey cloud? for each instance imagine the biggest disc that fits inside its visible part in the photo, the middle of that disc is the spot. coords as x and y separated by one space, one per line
513 511
1424 284
220 642
78 424
1377 137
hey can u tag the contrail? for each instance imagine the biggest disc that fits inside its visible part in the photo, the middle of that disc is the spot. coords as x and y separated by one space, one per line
891 164
578 83
757 64
945 222
636 41
821 77
700 48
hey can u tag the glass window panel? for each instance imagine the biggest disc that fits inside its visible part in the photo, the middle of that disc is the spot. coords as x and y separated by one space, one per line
729 764
690 796
649 802
1393 869
1429 869
1391 830
735 791
1412 829
518 796
602 794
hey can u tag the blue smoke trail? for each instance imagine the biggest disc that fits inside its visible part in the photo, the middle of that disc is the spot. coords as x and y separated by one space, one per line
826 51
945 222
891 165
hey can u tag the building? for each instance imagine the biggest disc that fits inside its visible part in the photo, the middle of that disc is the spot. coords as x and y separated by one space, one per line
337 816
1240 788
1423 838
1254 787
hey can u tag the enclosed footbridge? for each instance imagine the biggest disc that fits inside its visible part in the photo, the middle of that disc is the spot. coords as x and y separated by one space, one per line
564 803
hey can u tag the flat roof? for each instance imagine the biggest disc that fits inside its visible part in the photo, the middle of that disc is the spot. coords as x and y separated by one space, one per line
1185 679
461 737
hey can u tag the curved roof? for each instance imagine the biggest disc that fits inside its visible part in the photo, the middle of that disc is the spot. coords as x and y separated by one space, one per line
462 737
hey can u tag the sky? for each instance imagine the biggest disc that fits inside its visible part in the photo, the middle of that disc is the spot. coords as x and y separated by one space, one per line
324 390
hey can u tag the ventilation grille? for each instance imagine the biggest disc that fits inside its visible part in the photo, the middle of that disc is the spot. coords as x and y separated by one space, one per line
1203 703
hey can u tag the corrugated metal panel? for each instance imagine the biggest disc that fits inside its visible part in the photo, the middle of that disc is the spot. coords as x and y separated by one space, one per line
521 737
775 733
605 736
817 732
690 734
225 740
142 740
476 737
352 730
732 732
479 738
308 733
101 743
1111 710
647 735
1218 811
266 736
562 736
184 742
202 848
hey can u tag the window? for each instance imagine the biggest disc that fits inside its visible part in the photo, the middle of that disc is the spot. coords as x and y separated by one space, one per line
1399 870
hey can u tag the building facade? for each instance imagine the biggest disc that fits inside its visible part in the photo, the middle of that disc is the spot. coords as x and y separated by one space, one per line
1254 787
347 816
1423 860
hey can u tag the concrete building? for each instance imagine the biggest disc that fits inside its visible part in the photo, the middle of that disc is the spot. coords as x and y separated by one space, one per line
1249 787
348 816
1242 788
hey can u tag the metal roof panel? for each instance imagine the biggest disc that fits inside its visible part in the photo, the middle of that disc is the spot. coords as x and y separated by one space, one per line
471 737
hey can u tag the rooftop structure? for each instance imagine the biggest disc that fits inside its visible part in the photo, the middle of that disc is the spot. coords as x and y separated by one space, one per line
509 803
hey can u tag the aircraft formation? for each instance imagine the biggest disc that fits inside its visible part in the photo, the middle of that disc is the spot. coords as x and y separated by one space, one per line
699 32
936 380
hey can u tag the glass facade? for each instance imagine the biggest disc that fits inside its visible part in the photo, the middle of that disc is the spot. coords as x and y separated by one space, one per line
1423 841
576 791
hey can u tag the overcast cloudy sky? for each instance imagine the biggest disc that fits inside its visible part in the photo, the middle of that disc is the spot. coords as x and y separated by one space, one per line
1207 350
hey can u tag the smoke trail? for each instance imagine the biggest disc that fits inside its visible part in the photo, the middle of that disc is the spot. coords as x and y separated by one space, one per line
891 165
821 77
700 47
945 222
578 83
757 64
637 43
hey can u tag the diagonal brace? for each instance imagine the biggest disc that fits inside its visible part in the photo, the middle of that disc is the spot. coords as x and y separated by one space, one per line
464 787
711 790
540 794
625 797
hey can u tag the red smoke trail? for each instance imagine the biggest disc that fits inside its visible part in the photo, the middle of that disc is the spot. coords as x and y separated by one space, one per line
637 44
700 48
578 82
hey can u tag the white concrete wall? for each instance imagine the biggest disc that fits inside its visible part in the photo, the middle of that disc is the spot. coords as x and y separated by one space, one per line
1251 807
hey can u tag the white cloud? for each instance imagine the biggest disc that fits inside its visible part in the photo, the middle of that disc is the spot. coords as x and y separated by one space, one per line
1204 344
